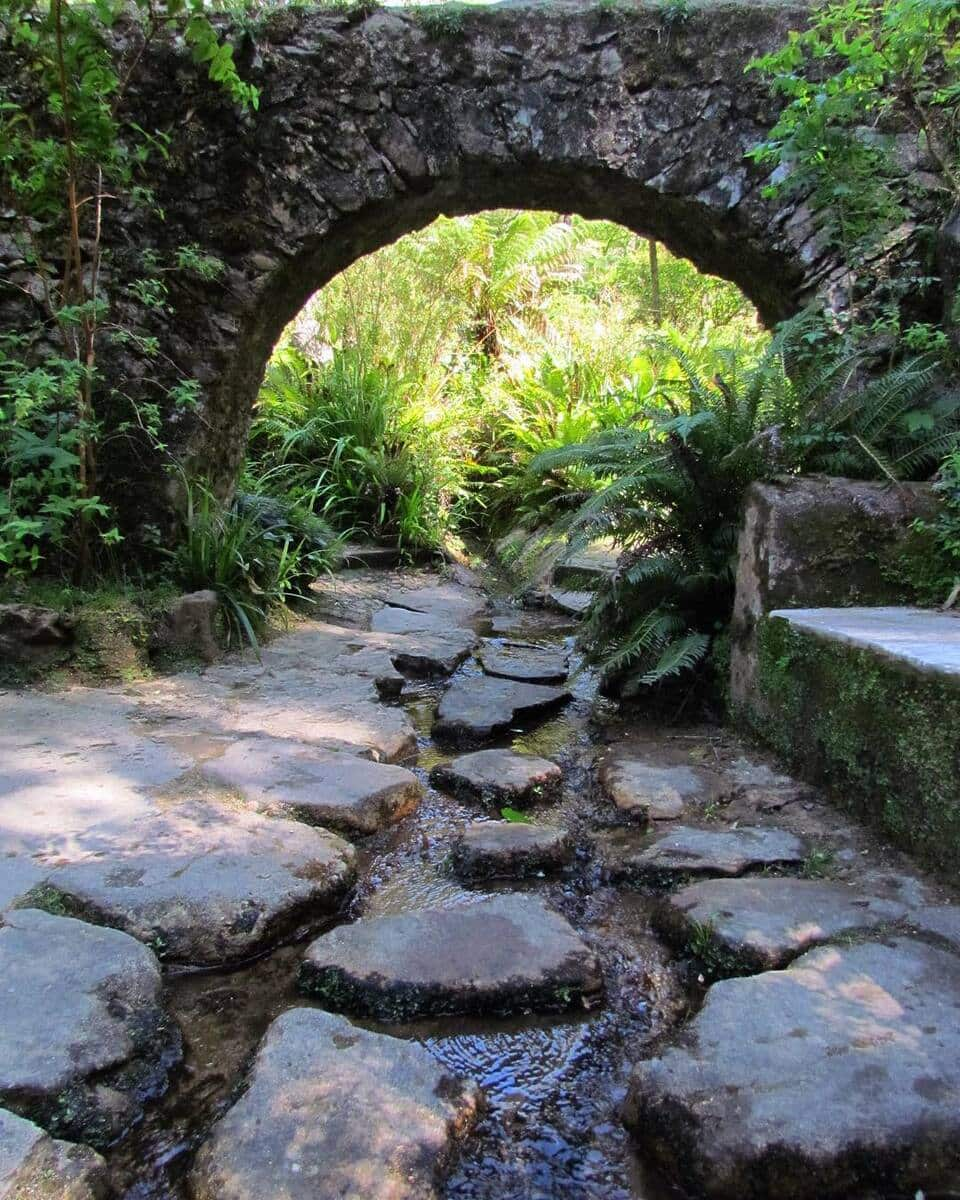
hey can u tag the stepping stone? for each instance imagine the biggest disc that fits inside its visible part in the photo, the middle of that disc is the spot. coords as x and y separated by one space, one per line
205 884
645 792
332 1110
84 1039
523 661
477 709
499 777
321 787
687 851
761 787
34 1166
356 555
940 922
570 603
406 620
430 652
504 954
510 850
458 605
759 924
836 1076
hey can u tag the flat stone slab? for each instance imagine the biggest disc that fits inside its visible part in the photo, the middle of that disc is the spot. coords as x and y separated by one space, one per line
503 954
407 620
644 791
84 1038
759 924
510 850
35 1166
321 787
431 652
458 604
570 603
206 884
477 709
334 1111
837 1075
940 922
499 777
921 637
688 851
525 662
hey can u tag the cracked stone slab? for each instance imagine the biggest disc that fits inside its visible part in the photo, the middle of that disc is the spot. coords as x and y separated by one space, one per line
332 1110
825 1080
457 604
35 1166
510 850
84 1038
940 922
760 924
525 662
207 884
502 954
499 777
352 795
478 708
644 791
689 851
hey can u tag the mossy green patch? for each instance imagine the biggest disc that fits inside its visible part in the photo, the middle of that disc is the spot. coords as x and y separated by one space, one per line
883 735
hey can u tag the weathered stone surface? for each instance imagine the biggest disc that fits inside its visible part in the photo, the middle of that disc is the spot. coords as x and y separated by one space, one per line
940 922
510 850
31 636
759 924
189 625
570 603
816 542
429 652
762 788
525 662
595 563
321 787
645 792
499 777
476 709
83 1034
504 954
459 605
837 1075
335 1111
206 884
35 1166
688 851
408 620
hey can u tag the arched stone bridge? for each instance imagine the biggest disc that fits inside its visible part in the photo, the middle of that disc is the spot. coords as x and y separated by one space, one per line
370 126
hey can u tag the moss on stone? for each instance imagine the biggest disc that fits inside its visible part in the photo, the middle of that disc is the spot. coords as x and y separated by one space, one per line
883 735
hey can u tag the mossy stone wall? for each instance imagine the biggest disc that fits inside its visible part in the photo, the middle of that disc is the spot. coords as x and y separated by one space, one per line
882 735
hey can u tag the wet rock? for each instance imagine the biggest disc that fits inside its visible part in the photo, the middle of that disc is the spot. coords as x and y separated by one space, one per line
525 662
477 709
503 954
32 636
321 787
510 850
206 884
35 1166
836 1075
427 652
759 924
688 851
499 777
188 625
331 1110
939 922
84 1038
645 792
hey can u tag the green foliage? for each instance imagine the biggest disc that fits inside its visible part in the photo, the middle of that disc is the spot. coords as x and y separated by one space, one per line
441 20
860 68
514 815
944 563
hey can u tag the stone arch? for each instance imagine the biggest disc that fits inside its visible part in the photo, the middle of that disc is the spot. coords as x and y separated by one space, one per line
372 125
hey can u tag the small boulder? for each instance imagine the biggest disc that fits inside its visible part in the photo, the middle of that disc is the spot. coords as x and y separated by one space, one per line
503 954
479 708
835 1077
499 777
189 626
644 792
353 795
510 850
84 1038
34 637
332 1110
758 924
35 1166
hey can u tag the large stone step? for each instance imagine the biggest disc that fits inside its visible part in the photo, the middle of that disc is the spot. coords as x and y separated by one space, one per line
334 1112
503 954
477 709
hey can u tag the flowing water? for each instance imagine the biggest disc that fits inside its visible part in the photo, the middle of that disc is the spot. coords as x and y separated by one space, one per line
553 1085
